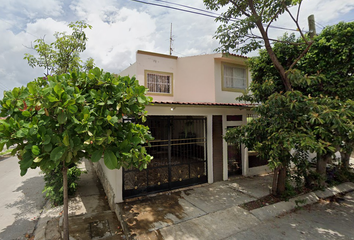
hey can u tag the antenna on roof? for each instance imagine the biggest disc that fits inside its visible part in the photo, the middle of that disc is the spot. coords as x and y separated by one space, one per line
171 40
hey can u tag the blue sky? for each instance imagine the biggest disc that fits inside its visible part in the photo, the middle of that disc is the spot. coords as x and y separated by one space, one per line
121 27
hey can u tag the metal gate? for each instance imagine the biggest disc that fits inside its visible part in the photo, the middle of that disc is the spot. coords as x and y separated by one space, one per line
180 156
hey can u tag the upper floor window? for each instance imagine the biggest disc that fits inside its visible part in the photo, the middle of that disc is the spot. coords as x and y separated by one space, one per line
234 77
158 82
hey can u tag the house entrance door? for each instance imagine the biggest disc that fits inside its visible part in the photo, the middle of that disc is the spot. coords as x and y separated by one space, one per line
179 150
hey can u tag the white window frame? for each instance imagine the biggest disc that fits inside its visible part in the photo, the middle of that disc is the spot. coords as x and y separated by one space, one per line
156 90
234 83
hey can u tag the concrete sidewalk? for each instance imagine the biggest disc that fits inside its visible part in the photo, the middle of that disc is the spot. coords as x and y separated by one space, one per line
89 214
211 211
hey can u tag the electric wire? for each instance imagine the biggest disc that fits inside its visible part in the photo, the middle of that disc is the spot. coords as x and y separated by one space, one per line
202 12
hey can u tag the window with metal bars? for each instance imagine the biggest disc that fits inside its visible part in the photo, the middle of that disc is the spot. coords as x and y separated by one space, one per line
159 82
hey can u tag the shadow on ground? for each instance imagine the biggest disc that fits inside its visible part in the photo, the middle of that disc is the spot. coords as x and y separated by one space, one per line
26 209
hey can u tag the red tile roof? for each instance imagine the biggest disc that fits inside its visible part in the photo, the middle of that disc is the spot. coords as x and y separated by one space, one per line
235 55
204 104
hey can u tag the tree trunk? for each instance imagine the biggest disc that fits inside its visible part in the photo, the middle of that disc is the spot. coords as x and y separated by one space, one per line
345 157
321 168
275 181
281 181
66 203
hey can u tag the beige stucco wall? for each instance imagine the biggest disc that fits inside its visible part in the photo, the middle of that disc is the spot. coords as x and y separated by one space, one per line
195 81
130 71
160 63
227 96
208 112
115 177
195 78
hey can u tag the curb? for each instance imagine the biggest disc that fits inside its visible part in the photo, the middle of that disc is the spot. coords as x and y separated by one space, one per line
274 210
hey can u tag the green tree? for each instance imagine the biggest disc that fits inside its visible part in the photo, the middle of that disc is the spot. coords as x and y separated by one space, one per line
240 21
63 54
321 109
73 116
326 71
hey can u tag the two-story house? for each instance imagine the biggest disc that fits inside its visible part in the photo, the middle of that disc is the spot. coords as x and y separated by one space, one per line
193 105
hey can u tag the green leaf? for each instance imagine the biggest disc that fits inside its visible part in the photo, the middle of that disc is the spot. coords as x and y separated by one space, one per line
31 87
26 162
46 139
57 153
97 155
15 92
114 119
26 113
66 140
2 146
37 160
110 160
58 90
69 157
72 109
51 98
141 100
35 150
62 118
136 140
48 147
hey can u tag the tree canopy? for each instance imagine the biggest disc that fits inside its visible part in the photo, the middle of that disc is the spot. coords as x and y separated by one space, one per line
317 115
246 24
71 116
62 55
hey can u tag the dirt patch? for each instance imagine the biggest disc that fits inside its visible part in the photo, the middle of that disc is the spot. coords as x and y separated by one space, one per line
141 215
261 202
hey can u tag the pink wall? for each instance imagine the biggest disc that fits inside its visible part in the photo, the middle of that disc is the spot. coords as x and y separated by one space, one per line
195 78
195 81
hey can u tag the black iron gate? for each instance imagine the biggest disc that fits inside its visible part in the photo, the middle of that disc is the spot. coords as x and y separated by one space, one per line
180 156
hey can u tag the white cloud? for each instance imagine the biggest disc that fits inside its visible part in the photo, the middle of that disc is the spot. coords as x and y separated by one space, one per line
120 28
32 8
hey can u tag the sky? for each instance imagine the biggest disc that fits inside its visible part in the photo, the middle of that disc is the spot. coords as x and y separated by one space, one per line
121 27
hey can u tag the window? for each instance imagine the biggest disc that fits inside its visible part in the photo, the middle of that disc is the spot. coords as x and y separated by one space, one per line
234 77
158 82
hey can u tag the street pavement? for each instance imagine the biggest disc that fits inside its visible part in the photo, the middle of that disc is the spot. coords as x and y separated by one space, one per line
210 211
89 214
324 220
21 200
214 212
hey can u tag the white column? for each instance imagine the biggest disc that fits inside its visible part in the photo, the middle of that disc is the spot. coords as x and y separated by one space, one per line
210 147
118 188
224 149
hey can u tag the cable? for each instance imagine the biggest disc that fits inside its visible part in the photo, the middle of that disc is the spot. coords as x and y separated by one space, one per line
206 13
179 9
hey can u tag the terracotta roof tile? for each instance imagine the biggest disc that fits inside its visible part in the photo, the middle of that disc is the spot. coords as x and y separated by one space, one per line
204 103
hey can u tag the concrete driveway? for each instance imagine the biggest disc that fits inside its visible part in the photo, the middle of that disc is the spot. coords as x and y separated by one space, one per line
210 211
214 212
21 199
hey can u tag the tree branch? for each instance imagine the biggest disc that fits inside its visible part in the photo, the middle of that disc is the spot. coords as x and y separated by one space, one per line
269 49
273 18
238 8
301 55
275 40
298 12
297 25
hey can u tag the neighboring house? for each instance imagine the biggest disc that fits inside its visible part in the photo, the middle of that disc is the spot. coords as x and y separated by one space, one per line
194 104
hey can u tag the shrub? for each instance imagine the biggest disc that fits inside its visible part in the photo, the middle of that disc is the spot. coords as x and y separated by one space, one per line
54 183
